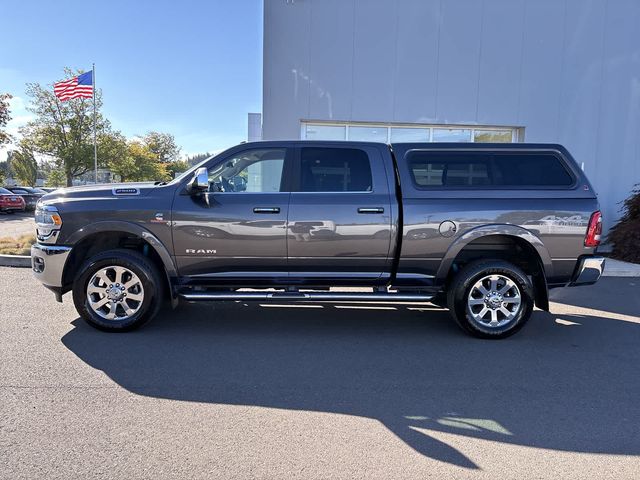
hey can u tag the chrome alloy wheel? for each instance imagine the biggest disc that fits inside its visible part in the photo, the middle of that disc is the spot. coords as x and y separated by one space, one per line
115 293
494 301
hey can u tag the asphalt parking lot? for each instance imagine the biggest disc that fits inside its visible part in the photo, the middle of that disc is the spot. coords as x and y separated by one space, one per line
247 391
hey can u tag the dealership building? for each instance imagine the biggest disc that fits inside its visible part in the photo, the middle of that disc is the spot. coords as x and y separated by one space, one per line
558 71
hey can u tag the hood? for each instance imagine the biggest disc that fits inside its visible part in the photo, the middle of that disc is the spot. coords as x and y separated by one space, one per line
104 190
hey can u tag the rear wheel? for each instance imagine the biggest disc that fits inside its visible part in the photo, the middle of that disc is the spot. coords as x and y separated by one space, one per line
118 290
491 299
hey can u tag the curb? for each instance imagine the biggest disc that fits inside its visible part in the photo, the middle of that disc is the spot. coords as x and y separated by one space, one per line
621 274
618 268
23 261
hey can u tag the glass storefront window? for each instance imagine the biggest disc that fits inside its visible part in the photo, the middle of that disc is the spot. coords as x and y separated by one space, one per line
368 134
325 132
451 135
399 134
493 136
376 132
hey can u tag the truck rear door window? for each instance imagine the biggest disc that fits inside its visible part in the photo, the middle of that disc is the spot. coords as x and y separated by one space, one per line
487 169
334 170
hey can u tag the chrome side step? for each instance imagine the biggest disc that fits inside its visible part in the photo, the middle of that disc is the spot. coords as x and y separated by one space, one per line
308 296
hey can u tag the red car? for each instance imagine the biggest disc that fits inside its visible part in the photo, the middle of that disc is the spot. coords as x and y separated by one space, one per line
10 202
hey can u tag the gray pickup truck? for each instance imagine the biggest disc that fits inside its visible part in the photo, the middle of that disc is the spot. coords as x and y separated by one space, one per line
481 229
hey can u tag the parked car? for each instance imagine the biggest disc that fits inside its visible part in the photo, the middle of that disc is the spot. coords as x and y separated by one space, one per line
47 189
481 229
29 194
10 202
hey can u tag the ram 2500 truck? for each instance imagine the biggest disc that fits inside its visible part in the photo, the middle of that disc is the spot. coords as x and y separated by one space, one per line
481 229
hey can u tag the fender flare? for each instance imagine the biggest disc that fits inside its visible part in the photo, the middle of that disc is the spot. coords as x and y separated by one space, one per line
134 229
495 229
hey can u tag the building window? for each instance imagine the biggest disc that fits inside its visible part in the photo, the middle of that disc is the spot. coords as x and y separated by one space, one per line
451 135
369 134
403 134
324 132
493 136
378 132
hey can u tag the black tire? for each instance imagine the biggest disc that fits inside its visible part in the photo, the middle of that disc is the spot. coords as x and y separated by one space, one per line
150 278
460 289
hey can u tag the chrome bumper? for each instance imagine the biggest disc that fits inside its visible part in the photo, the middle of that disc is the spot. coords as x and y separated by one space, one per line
47 263
589 271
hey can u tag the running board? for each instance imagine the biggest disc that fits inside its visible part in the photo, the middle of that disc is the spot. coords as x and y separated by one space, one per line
308 296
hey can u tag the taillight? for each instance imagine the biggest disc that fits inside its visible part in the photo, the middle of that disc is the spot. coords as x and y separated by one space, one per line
592 239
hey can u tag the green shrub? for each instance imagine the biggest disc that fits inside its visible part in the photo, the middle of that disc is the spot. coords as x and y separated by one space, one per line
625 235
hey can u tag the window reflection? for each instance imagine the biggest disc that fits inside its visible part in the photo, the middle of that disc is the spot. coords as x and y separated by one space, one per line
451 135
399 134
407 133
325 132
368 134
492 136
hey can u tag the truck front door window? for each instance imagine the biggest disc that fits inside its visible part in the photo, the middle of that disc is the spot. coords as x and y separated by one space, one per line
251 171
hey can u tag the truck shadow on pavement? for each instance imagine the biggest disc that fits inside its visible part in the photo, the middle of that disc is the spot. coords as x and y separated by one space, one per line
566 383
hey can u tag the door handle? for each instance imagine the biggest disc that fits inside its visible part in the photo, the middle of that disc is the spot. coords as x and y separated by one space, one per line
266 210
371 210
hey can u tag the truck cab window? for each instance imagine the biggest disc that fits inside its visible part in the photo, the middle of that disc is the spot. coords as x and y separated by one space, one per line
250 171
335 170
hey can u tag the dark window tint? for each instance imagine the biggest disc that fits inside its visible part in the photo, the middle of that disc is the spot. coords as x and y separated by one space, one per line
534 169
451 170
468 169
335 170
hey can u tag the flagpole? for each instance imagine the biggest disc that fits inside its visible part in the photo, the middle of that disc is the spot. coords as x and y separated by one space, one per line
95 145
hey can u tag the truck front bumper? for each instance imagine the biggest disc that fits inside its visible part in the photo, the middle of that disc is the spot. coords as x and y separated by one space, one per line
589 270
47 263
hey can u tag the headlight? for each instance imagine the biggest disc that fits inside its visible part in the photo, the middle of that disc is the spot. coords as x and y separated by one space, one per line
47 216
48 222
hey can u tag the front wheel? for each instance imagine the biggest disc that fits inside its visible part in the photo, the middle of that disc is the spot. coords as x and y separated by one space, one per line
491 299
118 290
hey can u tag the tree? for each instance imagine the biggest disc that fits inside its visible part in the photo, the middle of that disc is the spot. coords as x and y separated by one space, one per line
138 163
195 159
112 146
4 171
5 116
162 145
177 167
56 178
24 165
64 130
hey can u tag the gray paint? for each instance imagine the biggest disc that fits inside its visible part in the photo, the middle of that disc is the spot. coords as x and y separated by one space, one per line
568 71
381 236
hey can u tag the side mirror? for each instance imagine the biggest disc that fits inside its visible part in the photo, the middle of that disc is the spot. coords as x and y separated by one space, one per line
200 181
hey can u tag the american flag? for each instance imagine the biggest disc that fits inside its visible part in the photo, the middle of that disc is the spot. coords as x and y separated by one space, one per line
78 87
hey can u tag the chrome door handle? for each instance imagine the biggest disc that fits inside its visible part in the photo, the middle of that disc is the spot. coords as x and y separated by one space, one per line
371 210
266 210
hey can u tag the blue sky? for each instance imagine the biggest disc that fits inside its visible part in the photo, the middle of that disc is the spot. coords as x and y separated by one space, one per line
190 68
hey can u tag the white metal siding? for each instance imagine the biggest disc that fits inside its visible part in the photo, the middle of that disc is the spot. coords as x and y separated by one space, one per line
568 71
